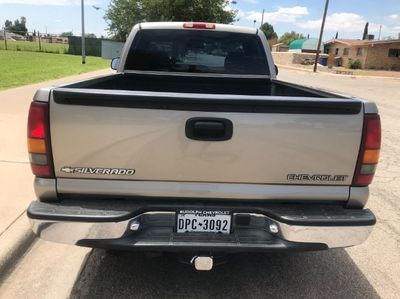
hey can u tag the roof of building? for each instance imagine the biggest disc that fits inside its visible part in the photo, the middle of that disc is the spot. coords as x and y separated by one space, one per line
281 45
305 44
297 44
360 42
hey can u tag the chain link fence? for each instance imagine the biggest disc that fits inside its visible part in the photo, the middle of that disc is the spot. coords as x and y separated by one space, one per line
33 41
54 43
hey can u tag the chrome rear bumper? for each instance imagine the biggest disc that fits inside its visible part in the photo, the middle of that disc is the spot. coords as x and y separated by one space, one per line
154 229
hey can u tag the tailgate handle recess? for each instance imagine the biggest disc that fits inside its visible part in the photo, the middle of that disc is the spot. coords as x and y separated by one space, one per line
209 129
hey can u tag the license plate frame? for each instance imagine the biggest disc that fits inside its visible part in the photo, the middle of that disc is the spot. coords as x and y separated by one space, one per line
203 221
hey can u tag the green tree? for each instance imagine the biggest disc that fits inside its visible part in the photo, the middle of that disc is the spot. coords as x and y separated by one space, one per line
288 37
122 15
67 33
269 31
7 24
19 26
355 64
90 35
365 33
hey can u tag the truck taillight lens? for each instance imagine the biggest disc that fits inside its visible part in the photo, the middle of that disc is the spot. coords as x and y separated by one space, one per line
39 140
369 151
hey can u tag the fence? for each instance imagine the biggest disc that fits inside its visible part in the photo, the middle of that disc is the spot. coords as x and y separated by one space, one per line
33 41
53 43
92 46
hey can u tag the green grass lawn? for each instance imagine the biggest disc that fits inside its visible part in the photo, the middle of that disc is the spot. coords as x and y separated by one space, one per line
20 68
34 47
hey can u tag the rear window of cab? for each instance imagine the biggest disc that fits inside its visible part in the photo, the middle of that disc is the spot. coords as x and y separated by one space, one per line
197 51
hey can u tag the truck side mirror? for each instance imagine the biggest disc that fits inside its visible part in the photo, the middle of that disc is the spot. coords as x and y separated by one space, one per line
115 63
276 70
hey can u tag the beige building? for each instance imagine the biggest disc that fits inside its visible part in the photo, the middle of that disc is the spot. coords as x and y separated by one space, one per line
281 47
373 54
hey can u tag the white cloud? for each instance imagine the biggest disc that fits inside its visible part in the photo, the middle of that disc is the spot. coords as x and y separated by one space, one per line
240 14
296 10
49 2
283 14
252 1
347 23
338 21
394 17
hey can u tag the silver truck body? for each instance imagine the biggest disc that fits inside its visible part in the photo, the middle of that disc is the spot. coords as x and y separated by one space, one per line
102 146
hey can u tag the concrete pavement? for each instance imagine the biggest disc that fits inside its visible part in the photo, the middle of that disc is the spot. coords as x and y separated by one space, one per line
325 274
48 270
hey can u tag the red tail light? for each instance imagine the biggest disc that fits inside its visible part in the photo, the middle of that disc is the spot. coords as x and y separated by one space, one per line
39 140
369 151
199 25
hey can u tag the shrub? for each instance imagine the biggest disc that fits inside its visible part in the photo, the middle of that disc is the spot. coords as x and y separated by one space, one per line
355 64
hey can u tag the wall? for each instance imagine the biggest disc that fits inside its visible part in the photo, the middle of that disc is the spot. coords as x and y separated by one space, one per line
280 48
289 58
378 58
374 56
352 53
92 46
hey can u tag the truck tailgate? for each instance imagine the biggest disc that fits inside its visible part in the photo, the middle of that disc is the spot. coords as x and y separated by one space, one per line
126 135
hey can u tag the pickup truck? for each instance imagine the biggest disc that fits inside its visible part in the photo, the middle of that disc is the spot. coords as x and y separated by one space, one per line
193 146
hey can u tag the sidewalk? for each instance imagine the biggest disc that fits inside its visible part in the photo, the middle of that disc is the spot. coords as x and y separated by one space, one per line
16 189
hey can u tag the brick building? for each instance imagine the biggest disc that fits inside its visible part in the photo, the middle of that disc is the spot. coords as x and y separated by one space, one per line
373 54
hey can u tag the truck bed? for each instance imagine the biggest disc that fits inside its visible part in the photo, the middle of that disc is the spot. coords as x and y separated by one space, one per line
201 84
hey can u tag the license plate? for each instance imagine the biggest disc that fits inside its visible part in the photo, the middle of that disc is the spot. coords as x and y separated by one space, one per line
203 221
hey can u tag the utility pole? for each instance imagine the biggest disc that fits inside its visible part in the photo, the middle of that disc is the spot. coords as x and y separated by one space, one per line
262 17
83 32
320 35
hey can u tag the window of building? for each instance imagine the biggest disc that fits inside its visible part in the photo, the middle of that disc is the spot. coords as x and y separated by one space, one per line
336 51
359 52
394 53
346 51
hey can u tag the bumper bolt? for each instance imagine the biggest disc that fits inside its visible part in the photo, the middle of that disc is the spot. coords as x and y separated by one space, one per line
273 228
134 226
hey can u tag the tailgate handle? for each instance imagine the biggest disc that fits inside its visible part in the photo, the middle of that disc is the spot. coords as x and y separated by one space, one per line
209 129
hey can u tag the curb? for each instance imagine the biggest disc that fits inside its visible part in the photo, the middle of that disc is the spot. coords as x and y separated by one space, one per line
14 242
284 66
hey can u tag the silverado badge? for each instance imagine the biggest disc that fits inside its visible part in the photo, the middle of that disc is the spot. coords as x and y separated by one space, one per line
98 170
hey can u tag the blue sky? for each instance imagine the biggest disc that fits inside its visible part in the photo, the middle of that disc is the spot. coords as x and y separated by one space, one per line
348 17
